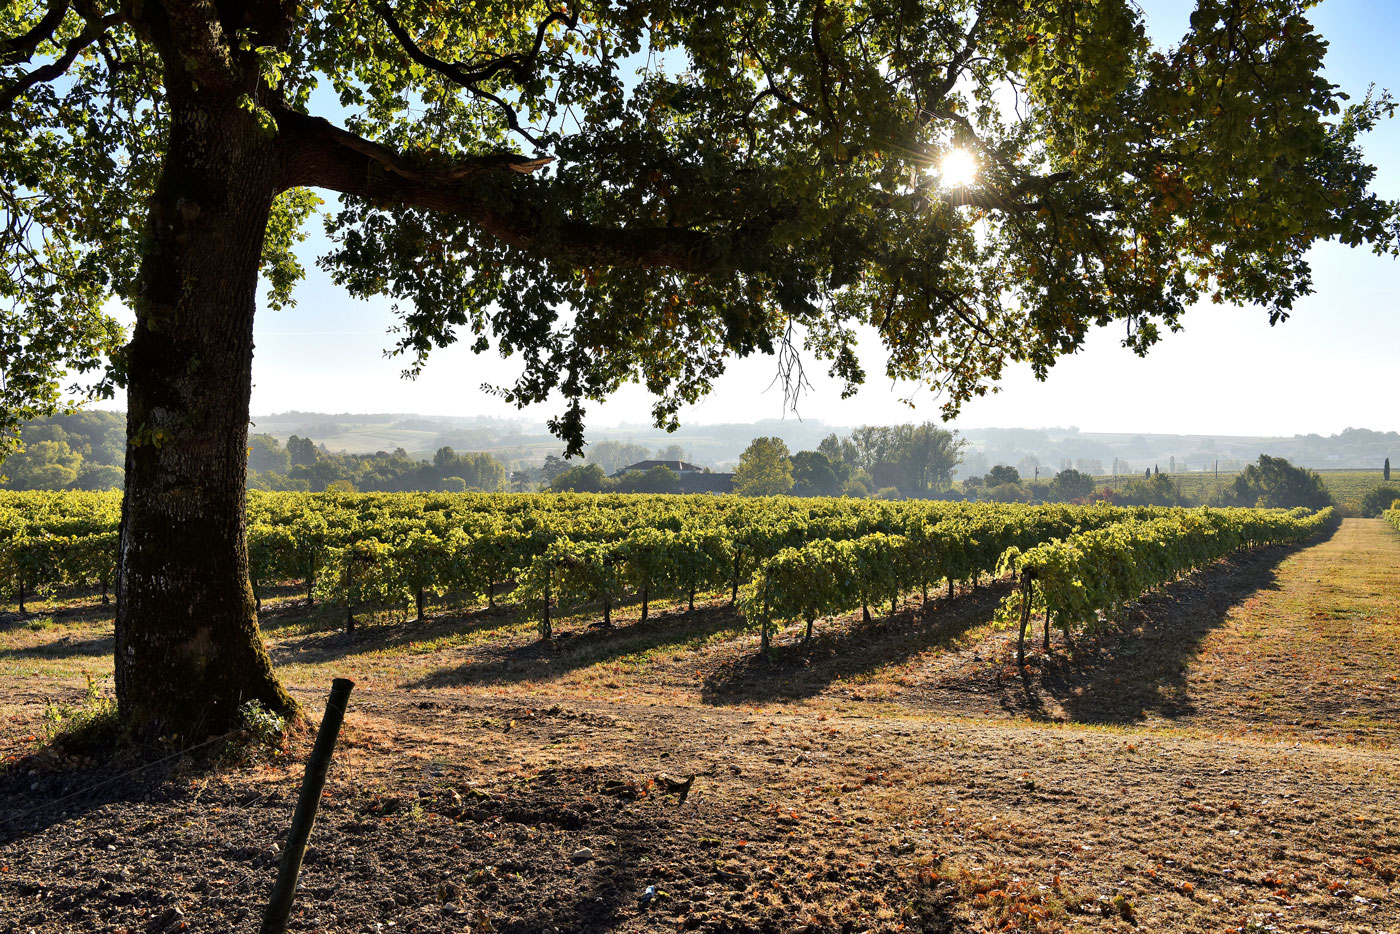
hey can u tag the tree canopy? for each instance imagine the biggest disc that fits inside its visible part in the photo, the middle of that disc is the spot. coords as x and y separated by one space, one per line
765 468
1274 482
639 191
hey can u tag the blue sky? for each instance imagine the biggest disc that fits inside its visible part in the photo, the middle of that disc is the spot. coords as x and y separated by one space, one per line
1332 365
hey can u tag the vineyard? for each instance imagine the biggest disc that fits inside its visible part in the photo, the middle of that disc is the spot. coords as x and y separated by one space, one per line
778 559
884 761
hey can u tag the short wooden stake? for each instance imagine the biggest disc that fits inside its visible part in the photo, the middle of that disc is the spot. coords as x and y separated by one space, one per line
279 907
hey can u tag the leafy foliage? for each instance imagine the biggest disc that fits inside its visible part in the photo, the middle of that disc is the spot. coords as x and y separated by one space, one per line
765 468
1275 483
639 192
1083 578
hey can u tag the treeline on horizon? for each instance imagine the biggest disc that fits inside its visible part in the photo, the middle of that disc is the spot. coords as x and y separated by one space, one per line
85 450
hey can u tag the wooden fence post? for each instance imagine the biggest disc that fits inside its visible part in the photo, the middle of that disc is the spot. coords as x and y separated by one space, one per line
279 906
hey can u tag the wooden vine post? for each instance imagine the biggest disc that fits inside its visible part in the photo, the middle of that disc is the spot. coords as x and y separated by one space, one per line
545 628
279 906
1027 591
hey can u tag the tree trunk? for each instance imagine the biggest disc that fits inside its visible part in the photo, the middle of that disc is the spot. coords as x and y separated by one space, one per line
734 592
418 600
490 595
188 650
21 593
644 604
607 611
810 617
691 607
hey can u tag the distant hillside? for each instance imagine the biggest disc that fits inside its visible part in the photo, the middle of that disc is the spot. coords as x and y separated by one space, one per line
511 440
720 445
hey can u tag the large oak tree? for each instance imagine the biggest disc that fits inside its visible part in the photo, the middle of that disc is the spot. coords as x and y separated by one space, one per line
630 191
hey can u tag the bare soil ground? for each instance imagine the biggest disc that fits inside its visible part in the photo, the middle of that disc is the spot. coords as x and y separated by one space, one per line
1222 760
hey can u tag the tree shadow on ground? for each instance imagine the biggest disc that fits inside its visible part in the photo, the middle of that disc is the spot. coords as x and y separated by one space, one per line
1125 673
63 647
332 642
848 648
81 610
55 787
575 649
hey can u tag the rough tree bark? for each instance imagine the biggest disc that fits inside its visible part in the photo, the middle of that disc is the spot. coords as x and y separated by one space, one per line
188 650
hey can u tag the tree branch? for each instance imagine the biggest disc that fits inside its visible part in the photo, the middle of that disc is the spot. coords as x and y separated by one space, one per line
22 48
56 68
392 161
960 59
320 155
519 66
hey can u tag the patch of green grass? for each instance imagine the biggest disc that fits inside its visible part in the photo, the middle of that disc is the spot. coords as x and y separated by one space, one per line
90 725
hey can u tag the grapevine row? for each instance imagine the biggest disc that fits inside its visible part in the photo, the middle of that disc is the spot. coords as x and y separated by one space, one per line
1080 579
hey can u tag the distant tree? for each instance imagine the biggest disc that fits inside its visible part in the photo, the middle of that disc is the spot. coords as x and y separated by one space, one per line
525 479
1386 470
43 465
1002 474
265 453
585 478
658 479
840 453
477 469
765 468
612 456
302 451
858 484
1011 492
99 477
340 486
1151 490
454 485
673 452
554 465
929 454
813 475
1070 484
1274 482
1378 500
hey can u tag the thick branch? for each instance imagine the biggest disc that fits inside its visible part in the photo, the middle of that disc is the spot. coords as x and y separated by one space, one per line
392 161
323 156
960 59
520 66
56 68
22 48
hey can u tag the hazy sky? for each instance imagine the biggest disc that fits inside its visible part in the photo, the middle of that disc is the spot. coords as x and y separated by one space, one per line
1332 365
